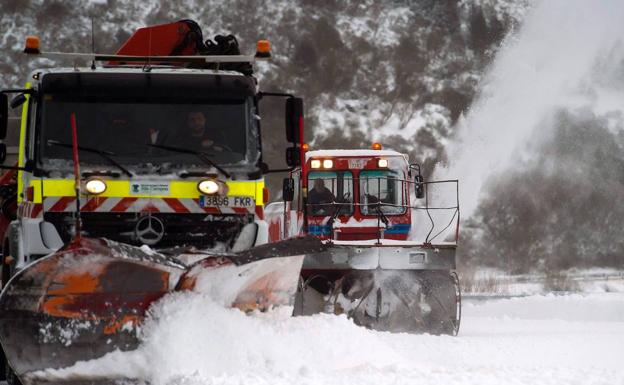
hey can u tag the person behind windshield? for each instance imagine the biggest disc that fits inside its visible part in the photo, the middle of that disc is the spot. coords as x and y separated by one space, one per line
320 198
197 136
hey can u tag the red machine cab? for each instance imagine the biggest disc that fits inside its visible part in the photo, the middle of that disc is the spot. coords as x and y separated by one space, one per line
363 193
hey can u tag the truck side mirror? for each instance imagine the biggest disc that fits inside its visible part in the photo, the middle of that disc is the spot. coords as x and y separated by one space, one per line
4 115
294 118
419 185
18 101
288 189
293 157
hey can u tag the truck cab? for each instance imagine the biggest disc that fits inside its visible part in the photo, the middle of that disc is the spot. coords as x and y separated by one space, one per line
350 195
169 151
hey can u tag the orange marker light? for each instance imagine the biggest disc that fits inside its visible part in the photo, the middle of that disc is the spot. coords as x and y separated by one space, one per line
263 48
376 146
305 147
32 45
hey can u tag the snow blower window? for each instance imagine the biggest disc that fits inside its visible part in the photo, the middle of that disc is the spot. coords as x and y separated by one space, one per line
383 189
329 191
129 132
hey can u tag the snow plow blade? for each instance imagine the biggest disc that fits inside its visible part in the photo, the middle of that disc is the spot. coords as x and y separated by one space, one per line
90 297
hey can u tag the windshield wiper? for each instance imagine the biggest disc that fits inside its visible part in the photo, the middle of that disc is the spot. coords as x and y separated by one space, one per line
200 155
104 154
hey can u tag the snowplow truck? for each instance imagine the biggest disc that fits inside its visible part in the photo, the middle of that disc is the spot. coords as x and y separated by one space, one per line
158 145
367 206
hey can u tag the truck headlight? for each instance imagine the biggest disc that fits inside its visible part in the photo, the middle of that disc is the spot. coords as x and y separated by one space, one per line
95 186
328 163
208 187
382 163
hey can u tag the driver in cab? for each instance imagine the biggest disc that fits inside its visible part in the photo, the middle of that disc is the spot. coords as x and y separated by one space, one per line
198 137
320 199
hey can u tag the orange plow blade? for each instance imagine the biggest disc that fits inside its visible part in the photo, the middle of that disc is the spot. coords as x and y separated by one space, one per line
90 297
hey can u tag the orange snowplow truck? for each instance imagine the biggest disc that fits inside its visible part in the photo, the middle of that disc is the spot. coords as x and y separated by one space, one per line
158 145
169 142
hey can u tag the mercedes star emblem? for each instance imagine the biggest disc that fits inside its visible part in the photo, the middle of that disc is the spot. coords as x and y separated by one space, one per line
149 230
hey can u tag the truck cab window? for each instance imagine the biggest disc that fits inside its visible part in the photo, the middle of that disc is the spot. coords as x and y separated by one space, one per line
383 189
329 191
126 130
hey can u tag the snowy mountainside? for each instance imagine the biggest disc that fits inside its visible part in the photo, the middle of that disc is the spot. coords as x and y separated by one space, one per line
394 70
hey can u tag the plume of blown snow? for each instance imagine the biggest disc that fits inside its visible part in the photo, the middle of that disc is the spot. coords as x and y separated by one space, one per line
568 54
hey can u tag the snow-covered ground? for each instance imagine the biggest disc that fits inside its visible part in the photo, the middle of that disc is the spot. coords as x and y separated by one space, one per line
494 282
545 339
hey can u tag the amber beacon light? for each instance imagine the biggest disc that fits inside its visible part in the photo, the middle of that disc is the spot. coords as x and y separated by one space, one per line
32 45
263 48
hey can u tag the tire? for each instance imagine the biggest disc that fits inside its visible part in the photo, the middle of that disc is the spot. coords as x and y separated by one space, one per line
5 276
3 366
10 376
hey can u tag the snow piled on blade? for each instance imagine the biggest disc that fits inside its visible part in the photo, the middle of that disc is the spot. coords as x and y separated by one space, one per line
189 340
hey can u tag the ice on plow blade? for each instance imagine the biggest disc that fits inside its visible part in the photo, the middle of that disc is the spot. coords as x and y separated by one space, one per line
90 297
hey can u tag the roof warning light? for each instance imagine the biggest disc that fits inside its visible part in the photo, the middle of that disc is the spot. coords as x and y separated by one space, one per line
32 45
263 49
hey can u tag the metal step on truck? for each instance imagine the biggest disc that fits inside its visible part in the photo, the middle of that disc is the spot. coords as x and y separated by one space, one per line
390 240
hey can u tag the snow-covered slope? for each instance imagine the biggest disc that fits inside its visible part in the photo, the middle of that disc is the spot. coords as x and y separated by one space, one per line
381 69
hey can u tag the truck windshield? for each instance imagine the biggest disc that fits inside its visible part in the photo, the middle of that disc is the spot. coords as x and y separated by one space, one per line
330 191
125 131
383 189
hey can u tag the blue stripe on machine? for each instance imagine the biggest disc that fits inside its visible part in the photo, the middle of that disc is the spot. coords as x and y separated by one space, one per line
402 228
319 230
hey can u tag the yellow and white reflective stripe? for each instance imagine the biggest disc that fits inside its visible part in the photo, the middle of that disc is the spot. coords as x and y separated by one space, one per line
121 188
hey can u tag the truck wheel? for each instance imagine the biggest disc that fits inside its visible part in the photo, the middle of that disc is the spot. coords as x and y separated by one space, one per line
5 276
3 366
11 378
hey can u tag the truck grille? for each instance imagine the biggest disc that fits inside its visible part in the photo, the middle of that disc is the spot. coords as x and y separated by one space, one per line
199 230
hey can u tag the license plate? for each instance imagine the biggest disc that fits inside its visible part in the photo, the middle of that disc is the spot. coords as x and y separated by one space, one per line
216 201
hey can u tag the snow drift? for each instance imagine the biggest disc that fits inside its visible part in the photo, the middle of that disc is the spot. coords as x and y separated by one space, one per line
533 340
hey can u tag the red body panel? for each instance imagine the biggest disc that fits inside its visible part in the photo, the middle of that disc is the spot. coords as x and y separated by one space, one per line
159 40
7 179
355 226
